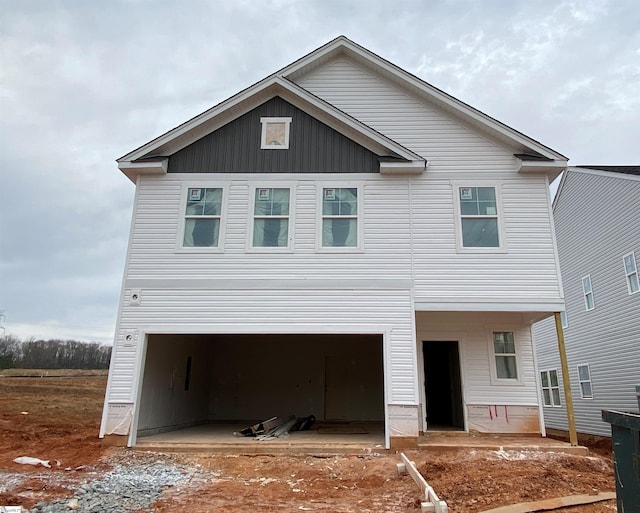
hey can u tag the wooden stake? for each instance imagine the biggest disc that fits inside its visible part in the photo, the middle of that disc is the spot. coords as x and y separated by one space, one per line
566 381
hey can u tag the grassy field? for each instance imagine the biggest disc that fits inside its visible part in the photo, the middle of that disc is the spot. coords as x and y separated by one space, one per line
46 373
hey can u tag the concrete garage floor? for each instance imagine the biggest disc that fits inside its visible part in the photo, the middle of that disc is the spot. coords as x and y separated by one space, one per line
218 437
335 438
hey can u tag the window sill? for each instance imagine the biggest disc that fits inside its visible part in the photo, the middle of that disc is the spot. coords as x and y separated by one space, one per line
339 250
199 250
493 251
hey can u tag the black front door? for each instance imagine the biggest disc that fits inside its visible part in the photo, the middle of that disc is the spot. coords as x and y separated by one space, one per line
443 385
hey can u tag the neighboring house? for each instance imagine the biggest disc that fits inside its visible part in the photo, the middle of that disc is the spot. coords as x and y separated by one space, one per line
597 224
340 239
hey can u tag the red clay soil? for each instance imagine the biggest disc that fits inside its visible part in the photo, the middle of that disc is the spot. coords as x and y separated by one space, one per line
62 420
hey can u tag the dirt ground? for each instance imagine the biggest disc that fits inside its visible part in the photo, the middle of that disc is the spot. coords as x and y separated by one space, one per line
57 419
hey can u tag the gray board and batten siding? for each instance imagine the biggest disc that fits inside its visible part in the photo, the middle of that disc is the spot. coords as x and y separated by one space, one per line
313 147
597 221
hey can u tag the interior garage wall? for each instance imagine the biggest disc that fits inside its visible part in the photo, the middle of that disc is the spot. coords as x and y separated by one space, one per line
335 377
164 401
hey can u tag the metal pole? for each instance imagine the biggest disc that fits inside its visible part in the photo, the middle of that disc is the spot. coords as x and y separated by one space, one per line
566 381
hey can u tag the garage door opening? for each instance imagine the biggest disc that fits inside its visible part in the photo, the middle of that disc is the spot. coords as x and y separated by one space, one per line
225 382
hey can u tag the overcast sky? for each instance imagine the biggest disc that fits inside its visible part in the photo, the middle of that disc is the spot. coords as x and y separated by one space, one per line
84 82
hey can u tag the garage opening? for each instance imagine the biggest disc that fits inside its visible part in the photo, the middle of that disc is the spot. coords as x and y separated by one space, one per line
229 381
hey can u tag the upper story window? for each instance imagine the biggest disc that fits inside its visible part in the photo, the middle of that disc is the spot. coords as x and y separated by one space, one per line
271 218
588 293
275 133
340 217
504 351
550 388
202 217
479 217
584 378
631 272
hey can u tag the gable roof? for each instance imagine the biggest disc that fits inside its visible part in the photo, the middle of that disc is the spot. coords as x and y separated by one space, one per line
151 157
621 172
628 170
413 84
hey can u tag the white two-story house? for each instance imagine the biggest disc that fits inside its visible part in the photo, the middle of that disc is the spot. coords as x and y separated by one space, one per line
339 239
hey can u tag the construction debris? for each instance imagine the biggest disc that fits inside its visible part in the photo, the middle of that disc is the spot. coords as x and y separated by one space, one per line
551 504
276 427
432 503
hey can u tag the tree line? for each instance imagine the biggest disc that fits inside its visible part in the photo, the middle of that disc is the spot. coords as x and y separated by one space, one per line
52 354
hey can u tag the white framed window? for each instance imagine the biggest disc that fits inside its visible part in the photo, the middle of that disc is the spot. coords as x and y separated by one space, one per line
584 378
564 319
202 217
505 355
631 272
275 133
339 217
550 388
480 226
587 290
271 217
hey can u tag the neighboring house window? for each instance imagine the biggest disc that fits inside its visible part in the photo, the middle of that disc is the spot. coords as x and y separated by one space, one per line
202 217
584 378
564 319
504 350
275 133
479 217
550 388
588 293
631 271
271 218
339 217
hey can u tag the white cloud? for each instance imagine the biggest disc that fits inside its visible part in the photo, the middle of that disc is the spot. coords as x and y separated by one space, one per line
85 82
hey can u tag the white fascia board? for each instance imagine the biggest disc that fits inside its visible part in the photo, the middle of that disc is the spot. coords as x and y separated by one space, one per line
551 168
451 305
343 44
134 169
544 166
414 167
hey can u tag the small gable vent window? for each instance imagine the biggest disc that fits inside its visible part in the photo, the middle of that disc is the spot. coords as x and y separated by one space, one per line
275 133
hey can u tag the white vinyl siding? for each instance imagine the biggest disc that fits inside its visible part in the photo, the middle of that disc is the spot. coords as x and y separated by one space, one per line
587 290
584 381
457 155
631 272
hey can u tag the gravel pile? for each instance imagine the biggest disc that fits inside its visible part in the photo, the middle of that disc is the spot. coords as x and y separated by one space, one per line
128 486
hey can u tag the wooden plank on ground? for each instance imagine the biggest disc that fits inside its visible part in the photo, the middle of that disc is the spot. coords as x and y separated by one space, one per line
551 504
432 501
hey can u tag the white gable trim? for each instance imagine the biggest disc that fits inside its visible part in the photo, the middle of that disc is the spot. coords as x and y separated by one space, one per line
134 169
243 102
342 45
